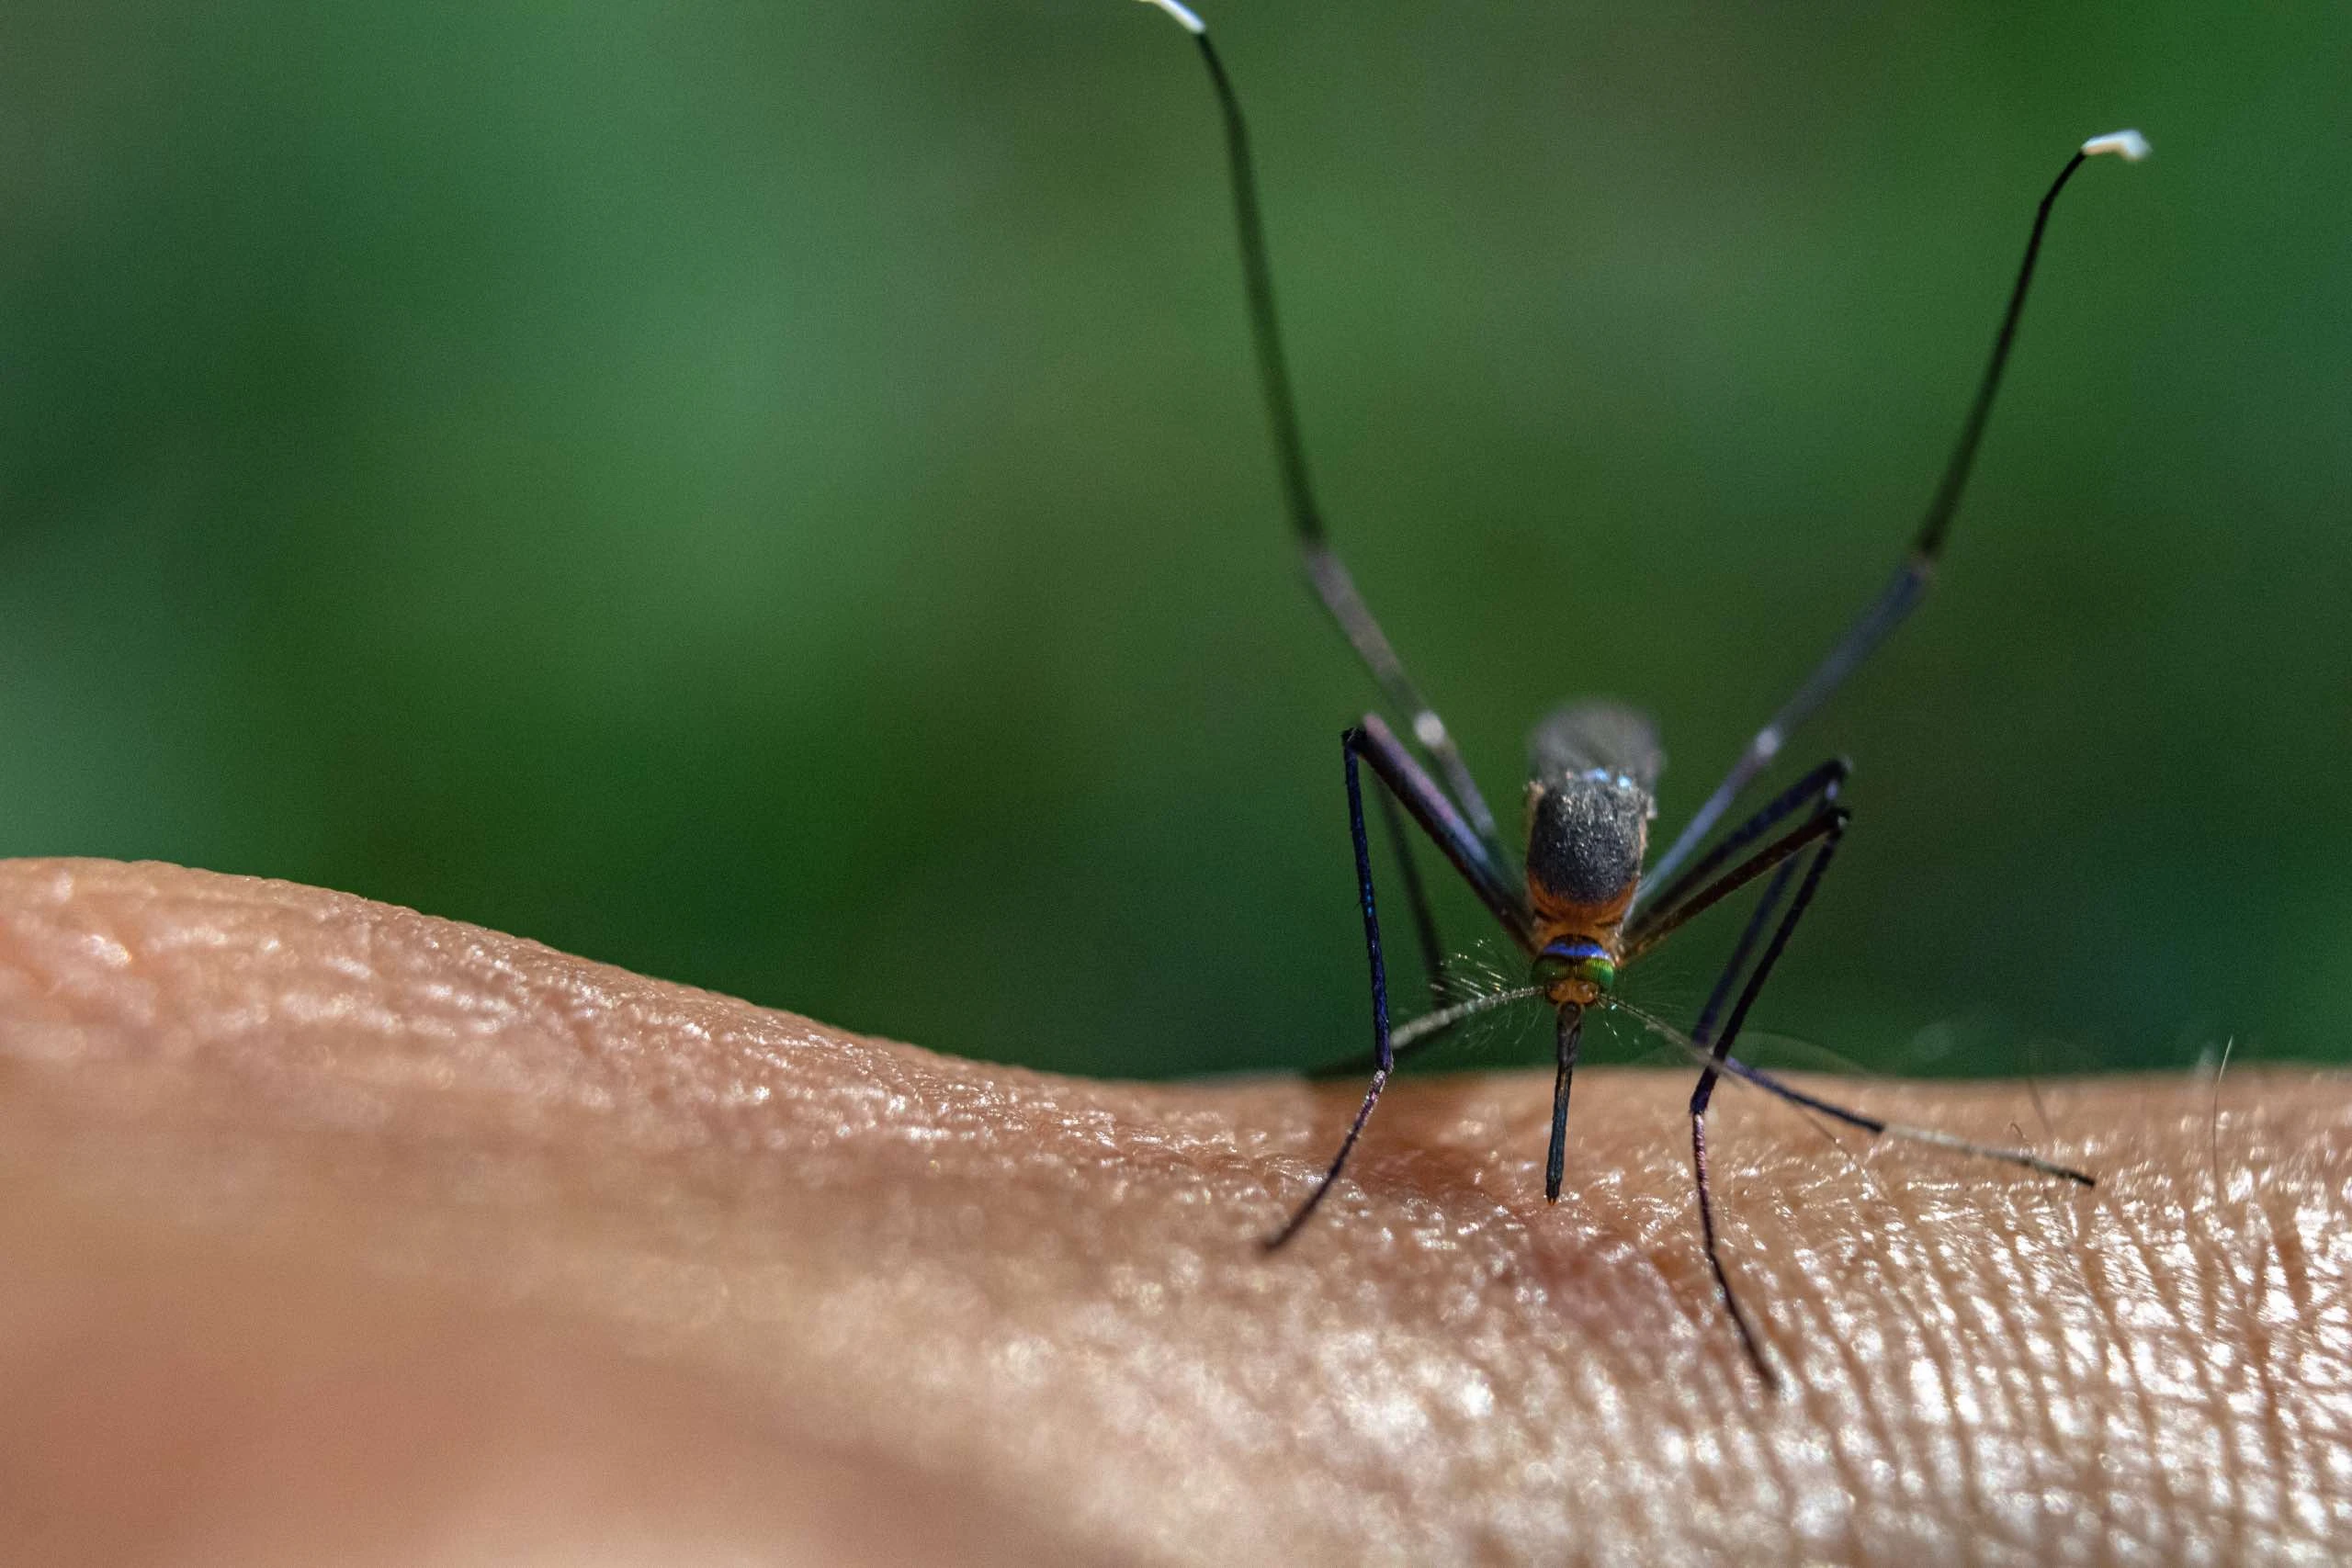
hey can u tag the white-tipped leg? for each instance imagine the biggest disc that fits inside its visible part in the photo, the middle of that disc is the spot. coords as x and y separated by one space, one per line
1195 25
2128 145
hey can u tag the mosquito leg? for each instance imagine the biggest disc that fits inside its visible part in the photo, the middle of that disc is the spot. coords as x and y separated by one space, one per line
1819 786
1384 1058
1408 785
1828 826
1774 891
1877 1126
1417 897
1910 584
1336 589
1720 1047
1748 1340
1325 571
1429 805
1417 1034
1400 1052
1661 924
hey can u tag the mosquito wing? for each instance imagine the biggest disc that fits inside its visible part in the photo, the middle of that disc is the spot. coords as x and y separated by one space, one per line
1603 738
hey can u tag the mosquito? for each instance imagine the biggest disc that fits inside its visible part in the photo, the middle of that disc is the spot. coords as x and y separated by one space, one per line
1581 906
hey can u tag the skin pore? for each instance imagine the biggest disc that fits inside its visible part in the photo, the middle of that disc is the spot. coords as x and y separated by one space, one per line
335 1232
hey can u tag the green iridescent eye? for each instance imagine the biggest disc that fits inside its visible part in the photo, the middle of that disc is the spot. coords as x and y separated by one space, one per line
1597 972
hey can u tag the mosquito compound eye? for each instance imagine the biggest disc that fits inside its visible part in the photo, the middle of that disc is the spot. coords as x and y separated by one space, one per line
1576 959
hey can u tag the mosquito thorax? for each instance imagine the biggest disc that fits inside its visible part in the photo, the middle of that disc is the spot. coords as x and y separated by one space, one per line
1585 836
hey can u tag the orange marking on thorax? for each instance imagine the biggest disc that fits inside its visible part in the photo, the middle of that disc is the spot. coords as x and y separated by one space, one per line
1556 918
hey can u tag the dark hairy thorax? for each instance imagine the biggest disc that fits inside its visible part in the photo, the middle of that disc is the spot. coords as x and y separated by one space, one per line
1592 767
1586 837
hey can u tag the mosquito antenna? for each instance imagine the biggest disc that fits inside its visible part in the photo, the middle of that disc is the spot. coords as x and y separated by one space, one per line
1875 1126
1325 570
1910 584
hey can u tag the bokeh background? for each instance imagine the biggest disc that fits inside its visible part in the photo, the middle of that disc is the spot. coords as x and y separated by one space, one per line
774 495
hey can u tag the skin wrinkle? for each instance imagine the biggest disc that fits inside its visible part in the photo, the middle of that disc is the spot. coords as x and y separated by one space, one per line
1860 1448
2075 1361
2218 1374
1879 1435
2068 1419
1043 1299
2187 1290
2012 1481
2127 1285
1934 1271
2035 1396
2015 1313
2276 1424
2269 1443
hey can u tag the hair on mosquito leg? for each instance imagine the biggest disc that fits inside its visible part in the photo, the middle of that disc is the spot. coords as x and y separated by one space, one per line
1585 898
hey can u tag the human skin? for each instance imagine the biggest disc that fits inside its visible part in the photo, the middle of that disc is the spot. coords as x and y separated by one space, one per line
331 1233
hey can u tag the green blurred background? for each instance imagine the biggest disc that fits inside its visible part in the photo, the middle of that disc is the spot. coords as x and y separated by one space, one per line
774 495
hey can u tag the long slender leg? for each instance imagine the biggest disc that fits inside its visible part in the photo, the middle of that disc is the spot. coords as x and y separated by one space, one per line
1758 922
1429 805
1876 1126
1703 1033
1747 1341
1408 783
1820 785
1569 1030
1417 897
1677 908
1721 1047
1384 1058
1325 571
1910 584
1666 923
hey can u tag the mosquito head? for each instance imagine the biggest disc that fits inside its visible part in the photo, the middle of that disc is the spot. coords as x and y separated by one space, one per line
1575 971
